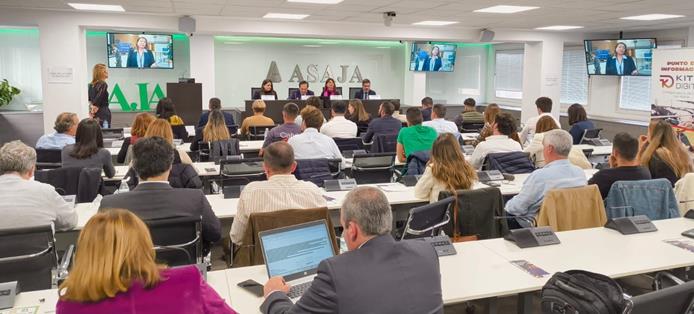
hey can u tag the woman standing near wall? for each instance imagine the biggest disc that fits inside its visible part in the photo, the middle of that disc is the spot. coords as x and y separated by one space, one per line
98 96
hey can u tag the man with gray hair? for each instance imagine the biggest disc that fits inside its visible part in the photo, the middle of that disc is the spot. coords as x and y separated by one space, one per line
558 173
355 281
65 129
25 202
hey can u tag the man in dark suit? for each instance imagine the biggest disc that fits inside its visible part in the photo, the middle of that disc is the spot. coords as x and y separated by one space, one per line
357 281
386 124
365 90
155 199
216 104
302 91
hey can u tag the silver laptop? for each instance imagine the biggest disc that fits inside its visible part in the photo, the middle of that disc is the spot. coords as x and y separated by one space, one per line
294 252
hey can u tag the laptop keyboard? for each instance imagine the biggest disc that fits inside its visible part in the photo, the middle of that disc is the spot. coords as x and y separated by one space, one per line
298 290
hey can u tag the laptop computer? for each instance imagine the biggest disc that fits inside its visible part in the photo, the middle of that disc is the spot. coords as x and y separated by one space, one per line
294 252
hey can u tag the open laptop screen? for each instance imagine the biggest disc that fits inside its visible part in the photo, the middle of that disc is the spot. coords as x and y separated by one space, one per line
296 251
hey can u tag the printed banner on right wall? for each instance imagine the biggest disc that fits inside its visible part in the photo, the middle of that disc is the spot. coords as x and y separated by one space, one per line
673 89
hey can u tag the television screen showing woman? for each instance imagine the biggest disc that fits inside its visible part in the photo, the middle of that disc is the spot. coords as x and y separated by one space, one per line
140 51
621 57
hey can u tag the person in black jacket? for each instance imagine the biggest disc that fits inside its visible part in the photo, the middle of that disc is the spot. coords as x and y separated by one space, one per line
167 111
266 89
98 96
623 164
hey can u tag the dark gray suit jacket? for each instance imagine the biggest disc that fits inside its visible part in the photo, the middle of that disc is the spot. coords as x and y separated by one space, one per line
383 125
383 276
151 201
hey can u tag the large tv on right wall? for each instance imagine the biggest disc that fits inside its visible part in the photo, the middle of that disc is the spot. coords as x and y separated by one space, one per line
620 57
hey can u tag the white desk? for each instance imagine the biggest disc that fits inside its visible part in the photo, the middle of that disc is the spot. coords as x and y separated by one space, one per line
597 150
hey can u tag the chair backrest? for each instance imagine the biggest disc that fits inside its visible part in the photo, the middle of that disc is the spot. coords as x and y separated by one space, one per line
220 150
353 92
349 143
674 299
384 143
257 132
28 255
291 91
653 198
254 90
477 210
428 220
590 134
373 168
317 170
177 241
250 253
48 158
471 127
84 182
241 171
513 162
572 208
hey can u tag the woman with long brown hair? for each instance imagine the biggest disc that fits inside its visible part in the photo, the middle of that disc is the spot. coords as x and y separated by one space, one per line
357 114
215 130
489 116
98 96
663 153
266 88
162 128
447 170
137 131
115 272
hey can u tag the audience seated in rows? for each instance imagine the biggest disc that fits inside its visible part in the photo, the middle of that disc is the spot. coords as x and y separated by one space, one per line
161 128
446 170
663 153
214 131
469 114
154 198
415 137
624 165
137 131
354 282
544 108
25 202
427 104
535 148
65 129
386 124
311 144
499 142
578 120
115 271
315 102
558 173
439 123
257 119
215 104
88 150
285 130
167 111
339 126
281 190
357 114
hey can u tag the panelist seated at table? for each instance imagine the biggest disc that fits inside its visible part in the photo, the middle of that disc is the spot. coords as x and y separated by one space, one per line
133 282
302 92
281 190
88 150
558 173
386 124
154 198
267 90
216 104
25 202
377 275
330 89
624 166
365 90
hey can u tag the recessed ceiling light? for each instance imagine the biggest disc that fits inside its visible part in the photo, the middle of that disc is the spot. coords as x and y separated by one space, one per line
285 16
506 9
652 17
316 1
434 23
558 27
97 7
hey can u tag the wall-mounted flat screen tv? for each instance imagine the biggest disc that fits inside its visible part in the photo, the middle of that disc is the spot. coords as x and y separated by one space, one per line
432 57
140 51
620 57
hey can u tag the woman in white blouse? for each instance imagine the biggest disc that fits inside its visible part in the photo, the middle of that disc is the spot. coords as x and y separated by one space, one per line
447 170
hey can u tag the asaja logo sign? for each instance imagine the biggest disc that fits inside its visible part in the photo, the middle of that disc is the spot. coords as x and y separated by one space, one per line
667 81
145 99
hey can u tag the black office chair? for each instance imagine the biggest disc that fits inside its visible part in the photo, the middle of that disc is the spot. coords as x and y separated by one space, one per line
590 136
353 92
177 241
48 158
478 213
513 162
317 170
85 183
241 171
675 299
255 90
291 91
28 255
384 143
350 143
373 168
220 150
257 132
471 127
427 220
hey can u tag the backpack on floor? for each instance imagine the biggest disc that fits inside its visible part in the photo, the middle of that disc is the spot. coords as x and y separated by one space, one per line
578 291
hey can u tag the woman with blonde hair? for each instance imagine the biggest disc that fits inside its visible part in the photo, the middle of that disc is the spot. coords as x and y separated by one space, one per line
663 153
446 170
115 272
257 119
98 96
162 128
137 131
535 148
215 130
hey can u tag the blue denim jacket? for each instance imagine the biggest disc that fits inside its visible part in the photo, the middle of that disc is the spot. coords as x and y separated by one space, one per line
653 198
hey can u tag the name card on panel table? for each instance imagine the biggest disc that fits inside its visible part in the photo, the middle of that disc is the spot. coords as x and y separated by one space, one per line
267 97
305 97
335 97
375 97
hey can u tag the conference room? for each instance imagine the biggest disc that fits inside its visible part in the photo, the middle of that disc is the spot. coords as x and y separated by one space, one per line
346 156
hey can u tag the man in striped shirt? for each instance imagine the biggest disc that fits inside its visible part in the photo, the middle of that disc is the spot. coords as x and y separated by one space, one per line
281 191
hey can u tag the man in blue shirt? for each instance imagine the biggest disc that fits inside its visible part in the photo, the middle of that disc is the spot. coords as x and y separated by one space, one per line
558 173
216 104
65 130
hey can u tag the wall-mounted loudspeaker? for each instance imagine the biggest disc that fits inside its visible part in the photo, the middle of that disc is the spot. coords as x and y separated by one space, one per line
186 24
486 35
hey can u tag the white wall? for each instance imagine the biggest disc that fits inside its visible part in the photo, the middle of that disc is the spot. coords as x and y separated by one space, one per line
20 64
468 79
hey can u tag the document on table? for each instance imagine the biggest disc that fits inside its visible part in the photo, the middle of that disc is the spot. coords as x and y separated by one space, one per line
392 187
682 243
21 310
530 268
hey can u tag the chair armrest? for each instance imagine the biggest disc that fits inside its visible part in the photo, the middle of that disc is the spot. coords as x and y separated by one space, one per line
64 266
658 280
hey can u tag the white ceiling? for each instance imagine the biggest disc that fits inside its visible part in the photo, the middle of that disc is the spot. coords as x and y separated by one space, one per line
594 15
